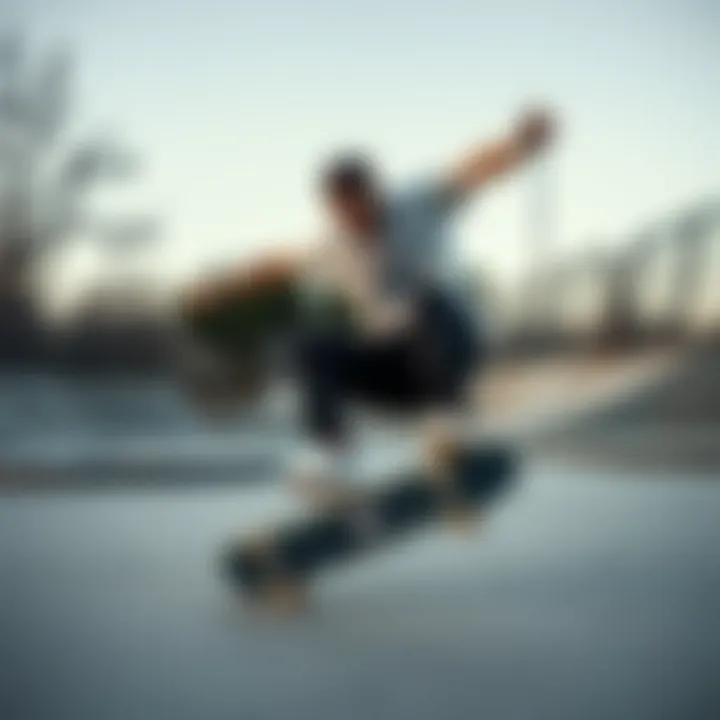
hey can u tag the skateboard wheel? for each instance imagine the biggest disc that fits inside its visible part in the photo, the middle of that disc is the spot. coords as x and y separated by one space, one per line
283 596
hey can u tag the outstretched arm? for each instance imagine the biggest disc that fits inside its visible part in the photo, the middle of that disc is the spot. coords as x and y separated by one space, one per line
273 268
531 134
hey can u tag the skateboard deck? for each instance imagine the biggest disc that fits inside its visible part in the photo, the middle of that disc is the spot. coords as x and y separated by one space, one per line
291 555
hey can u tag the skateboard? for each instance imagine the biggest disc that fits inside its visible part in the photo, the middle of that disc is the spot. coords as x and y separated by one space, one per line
274 569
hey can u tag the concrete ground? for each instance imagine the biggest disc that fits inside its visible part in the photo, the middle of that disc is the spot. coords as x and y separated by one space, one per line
583 596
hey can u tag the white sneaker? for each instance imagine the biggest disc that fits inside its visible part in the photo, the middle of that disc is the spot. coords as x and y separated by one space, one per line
321 475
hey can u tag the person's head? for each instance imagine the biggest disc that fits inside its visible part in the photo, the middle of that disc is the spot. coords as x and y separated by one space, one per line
350 190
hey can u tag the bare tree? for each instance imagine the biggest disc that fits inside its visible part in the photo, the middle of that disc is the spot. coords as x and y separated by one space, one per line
45 178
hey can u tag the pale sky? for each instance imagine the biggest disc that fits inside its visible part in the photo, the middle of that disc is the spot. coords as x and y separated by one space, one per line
233 103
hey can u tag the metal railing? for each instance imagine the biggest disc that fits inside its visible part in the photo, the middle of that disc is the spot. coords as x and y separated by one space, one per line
660 286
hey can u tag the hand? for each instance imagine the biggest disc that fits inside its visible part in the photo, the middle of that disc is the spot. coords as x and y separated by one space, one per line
535 131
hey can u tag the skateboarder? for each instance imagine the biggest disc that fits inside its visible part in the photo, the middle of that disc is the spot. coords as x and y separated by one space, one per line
414 345
411 342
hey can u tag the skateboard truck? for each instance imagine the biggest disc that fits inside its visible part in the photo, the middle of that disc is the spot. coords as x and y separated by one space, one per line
274 590
444 454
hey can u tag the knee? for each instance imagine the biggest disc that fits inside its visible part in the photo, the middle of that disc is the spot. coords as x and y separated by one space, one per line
459 338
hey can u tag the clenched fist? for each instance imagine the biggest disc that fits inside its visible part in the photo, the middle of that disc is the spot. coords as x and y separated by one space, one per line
535 130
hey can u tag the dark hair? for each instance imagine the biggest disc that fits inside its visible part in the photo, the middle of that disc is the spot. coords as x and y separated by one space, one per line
348 174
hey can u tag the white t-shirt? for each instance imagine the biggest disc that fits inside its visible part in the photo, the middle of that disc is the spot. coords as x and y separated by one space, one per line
380 277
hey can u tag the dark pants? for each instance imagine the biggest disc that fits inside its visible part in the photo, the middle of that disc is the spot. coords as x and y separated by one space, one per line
422 368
